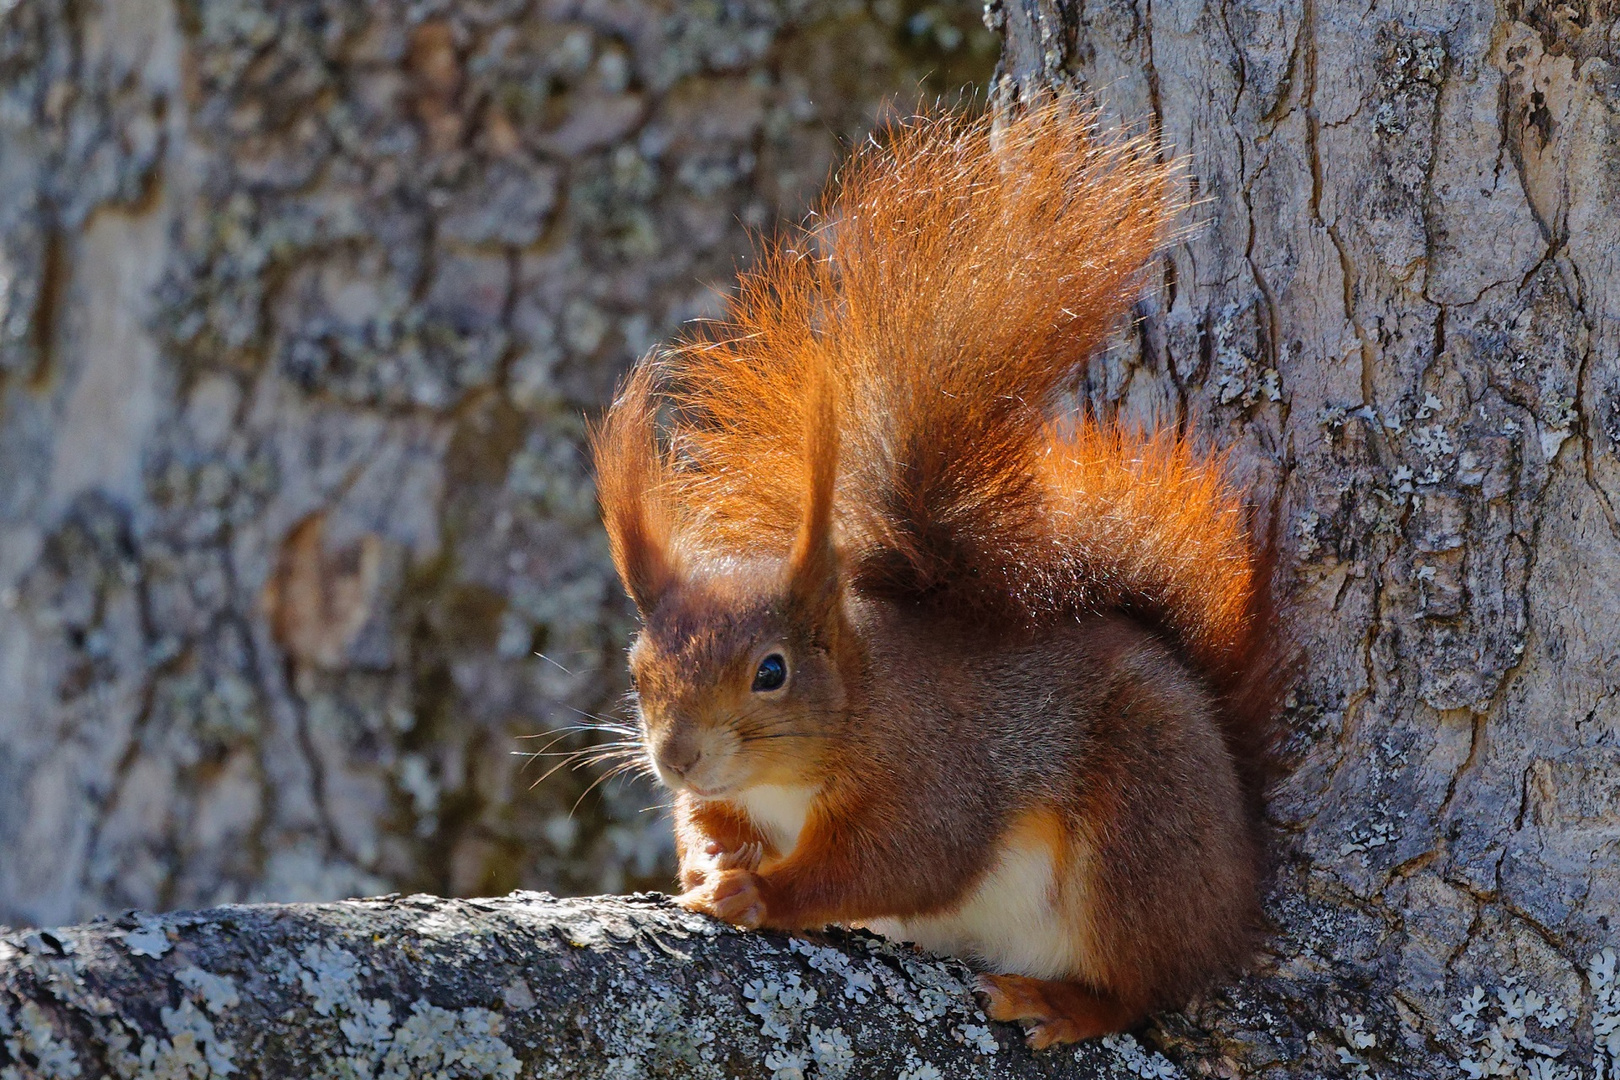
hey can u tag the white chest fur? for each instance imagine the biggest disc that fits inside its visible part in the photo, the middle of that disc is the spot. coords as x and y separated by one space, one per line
779 811
1016 920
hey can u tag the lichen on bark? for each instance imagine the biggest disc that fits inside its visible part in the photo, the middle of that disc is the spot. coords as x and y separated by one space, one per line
526 985
301 308
265 625
1400 312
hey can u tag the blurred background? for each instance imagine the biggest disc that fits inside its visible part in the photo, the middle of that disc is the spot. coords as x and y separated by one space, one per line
303 306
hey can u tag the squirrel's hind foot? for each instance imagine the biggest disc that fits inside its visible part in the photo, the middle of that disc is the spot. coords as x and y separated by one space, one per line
1055 1012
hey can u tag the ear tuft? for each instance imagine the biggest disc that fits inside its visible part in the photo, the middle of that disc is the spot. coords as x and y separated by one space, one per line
813 580
631 472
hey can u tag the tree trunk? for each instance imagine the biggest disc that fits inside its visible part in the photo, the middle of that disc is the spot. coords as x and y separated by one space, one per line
493 989
300 308
1402 311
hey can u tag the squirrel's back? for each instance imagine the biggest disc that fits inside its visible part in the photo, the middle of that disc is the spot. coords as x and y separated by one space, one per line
909 354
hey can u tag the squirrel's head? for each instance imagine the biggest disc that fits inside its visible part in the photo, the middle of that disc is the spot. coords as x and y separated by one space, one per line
738 681
741 666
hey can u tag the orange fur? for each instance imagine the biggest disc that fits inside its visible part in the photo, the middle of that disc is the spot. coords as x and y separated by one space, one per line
631 472
1031 656
700 825
955 284
1057 1012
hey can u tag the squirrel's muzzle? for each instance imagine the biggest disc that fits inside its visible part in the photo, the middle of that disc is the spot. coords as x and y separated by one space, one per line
677 754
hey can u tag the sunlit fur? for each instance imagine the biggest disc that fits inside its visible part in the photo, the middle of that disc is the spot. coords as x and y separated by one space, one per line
694 665
997 618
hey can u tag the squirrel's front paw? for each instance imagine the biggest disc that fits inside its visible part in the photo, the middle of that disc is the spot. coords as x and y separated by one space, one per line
746 857
730 894
696 870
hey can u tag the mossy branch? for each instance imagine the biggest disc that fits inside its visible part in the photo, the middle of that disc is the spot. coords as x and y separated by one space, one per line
527 985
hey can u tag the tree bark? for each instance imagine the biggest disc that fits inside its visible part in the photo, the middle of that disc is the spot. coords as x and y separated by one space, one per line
1400 309
525 986
302 304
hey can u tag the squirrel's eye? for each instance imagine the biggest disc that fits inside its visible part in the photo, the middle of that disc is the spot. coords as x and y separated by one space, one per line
772 673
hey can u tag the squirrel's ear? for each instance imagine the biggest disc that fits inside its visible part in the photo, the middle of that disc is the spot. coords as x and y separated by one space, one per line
813 563
630 472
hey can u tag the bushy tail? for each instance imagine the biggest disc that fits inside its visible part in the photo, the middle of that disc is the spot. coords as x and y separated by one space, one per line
951 289
946 297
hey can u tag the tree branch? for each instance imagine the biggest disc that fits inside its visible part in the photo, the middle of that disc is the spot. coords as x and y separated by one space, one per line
527 985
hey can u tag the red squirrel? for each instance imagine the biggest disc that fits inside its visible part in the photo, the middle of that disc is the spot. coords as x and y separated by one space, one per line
918 651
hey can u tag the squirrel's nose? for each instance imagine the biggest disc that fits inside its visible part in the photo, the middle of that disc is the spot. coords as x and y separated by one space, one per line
679 755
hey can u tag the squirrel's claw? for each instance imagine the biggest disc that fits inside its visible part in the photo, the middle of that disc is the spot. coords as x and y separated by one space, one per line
747 857
729 894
